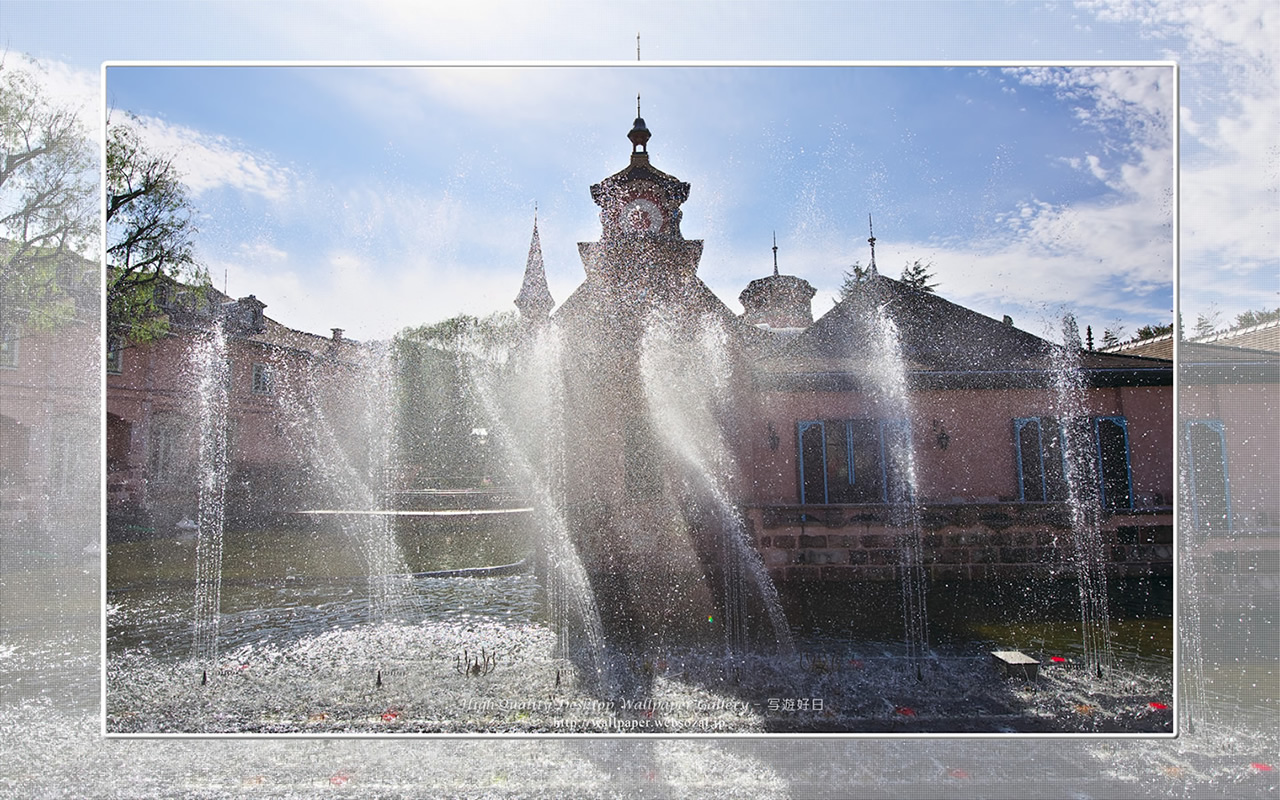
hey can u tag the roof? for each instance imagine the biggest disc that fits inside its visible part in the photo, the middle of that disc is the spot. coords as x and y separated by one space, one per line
1203 364
1265 336
277 335
192 309
639 169
943 345
1152 347
535 298
594 299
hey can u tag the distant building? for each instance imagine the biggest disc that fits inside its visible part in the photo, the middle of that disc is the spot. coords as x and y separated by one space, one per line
152 412
49 389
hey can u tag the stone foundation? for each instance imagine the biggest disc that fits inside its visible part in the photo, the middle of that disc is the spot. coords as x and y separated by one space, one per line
979 542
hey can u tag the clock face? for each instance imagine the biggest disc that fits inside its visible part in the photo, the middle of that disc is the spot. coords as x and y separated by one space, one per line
642 215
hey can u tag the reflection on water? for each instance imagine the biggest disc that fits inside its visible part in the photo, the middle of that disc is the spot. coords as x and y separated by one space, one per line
156 617
280 586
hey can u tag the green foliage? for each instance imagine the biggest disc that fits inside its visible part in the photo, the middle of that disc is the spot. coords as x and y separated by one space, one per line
916 274
488 339
150 233
437 409
1208 322
48 208
1250 318
855 277
1152 331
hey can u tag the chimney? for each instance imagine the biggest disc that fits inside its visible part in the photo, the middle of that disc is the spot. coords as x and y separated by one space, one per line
337 335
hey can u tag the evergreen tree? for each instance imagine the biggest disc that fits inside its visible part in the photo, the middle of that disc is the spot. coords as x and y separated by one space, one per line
1250 318
1207 322
916 274
1152 331
855 277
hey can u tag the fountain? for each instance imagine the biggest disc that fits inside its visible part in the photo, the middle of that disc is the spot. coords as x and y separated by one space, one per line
210 363
675 584
1084 499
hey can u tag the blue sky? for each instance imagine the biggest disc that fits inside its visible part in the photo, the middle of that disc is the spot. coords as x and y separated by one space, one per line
376 197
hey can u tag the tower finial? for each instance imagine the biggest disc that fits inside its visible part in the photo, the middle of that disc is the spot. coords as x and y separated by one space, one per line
872 241
775 254
637 45
639 134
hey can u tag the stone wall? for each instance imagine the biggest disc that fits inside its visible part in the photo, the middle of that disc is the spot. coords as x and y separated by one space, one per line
996 541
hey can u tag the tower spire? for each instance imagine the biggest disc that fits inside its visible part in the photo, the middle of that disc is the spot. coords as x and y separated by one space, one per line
775 254
535 301
872 241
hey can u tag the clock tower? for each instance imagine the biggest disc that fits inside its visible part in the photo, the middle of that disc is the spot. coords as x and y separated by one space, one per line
649 549
641 249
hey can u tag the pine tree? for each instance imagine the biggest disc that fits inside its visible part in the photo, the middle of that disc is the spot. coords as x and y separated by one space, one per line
855 277
1152 331
1250 318
1207 322
916 274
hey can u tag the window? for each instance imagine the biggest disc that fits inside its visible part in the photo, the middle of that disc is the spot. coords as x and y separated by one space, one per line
852 460
168 453
1207 480
1040 459
1111 435
8 348
115 358
262 379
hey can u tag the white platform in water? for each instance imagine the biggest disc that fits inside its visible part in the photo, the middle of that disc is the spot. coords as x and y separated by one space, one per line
460 512
1014 662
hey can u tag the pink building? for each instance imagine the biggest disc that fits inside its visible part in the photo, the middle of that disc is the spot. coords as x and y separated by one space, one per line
49 389
814 429
152 413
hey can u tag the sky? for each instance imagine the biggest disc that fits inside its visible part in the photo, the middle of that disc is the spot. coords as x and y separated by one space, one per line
1029 152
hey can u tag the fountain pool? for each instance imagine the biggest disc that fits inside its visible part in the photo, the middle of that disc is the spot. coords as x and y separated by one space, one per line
301 652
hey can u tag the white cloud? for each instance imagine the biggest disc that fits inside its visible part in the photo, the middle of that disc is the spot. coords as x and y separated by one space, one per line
209 161
369 299
1230 171
261 251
